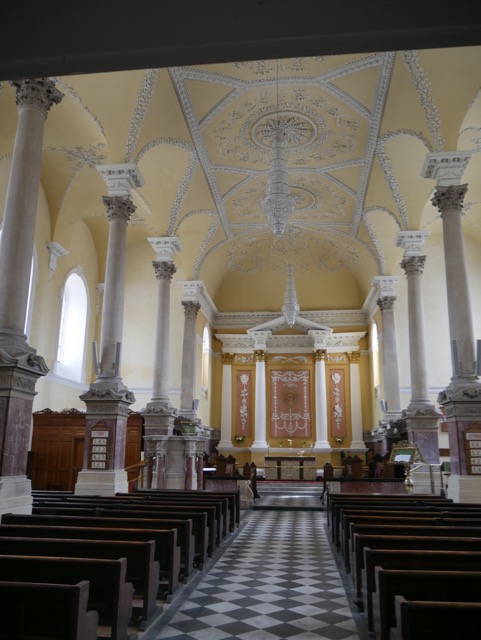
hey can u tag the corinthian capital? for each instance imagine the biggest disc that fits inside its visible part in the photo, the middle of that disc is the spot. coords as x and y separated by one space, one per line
413 266
449 198
191 308
386 303
37 92
164 270
119 208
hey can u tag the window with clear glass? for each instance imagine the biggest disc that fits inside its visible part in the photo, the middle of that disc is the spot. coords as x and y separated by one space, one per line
72 333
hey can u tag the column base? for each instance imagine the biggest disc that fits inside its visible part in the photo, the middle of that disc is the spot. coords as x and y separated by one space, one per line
358 445
15 495
464 488
322 445
260 445
224 445
102 483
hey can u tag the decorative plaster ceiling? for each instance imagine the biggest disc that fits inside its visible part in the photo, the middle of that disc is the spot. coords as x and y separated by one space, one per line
358 129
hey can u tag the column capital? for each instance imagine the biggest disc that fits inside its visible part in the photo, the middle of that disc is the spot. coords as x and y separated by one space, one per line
414 265
319 338
449 198
354 357
260 355
386 303
412 242
36 92
191 308
164 270
446 167
385 285
119 208
227 358
319 355
120 178
165 247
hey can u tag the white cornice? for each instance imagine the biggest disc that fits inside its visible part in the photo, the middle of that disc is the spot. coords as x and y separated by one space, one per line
332 319
246 343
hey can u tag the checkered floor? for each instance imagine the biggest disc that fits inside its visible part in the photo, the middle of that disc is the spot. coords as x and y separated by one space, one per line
278 579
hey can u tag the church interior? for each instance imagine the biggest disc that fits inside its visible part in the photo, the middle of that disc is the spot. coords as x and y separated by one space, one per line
297 302
238 249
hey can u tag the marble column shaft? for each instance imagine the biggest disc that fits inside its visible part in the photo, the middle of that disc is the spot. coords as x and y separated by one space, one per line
34 98
449 200
322 440
119 210
413 267
260 401
389 355
187 389
160 391
226 410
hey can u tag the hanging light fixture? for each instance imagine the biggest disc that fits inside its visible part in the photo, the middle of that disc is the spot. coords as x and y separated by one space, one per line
290 308
278 202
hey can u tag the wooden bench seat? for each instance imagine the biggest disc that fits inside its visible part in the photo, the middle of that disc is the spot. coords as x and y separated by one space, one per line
167 552
142 569
350 521
440 586
427 620
419 529
195 513
46 611
109 593
411 559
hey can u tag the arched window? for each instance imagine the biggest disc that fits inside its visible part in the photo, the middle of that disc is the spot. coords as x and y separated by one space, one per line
73 326
28 315
205 362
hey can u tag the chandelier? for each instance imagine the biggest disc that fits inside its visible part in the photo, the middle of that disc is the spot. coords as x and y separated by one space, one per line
278 203
290 308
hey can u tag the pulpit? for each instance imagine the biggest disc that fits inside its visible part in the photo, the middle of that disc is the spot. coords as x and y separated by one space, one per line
290 468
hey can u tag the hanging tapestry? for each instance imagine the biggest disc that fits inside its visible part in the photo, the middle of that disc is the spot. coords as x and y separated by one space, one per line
290 404
243 409
337 403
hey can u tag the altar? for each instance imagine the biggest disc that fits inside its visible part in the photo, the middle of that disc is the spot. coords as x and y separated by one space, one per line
290 468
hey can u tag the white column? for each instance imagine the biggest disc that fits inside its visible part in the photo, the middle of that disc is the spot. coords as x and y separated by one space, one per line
226 411
386 302
164 267
34 99
357 441
120 179
322 439
260 414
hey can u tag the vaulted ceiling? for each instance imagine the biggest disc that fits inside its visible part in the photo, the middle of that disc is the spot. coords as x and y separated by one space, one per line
357 128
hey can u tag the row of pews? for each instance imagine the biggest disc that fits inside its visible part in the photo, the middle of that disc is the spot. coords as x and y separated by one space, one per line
414 562
81 564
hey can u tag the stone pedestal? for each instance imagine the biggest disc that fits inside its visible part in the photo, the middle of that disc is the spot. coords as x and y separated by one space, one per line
15 495
176 461
422 430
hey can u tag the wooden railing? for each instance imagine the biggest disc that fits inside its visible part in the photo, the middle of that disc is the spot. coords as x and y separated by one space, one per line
138 471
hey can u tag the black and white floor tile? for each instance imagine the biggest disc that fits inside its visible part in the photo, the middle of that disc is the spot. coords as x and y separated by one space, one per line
278 579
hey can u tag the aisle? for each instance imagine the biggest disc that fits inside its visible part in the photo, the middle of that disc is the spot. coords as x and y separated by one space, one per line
277 580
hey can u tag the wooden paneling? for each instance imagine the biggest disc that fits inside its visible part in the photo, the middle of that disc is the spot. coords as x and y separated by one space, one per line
58 444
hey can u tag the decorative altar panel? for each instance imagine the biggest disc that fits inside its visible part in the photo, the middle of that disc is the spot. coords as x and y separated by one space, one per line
290 468
291 403
338 401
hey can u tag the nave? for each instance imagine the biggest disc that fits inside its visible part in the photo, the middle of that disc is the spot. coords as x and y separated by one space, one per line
278 579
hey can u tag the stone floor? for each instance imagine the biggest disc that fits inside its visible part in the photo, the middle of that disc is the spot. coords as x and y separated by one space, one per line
277 578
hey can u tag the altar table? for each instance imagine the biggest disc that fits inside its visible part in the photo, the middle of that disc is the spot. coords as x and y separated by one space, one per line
290 468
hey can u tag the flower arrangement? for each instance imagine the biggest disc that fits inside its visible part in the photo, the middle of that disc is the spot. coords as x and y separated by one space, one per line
339 440
239 438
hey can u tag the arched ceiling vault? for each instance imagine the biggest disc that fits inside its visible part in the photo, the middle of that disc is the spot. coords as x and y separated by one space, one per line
357 128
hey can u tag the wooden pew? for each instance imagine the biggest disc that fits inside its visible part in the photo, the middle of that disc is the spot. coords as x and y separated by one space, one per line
45 611
350 521
167 553
411 559
409 542
232 496
418 529
142 569
440 586
427 620
198 515
109 594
